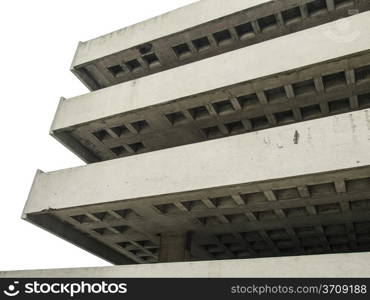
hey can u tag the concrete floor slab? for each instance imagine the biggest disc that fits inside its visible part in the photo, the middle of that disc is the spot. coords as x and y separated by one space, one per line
290 190
290 79
350 265
203 29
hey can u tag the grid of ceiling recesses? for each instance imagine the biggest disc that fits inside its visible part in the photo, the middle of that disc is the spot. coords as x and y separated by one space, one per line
213 38
312 96
318 216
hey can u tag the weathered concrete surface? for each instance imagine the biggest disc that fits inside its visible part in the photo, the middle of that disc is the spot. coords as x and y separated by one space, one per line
251 195
273 153
329 266
271 57
175 21
198 31
270 93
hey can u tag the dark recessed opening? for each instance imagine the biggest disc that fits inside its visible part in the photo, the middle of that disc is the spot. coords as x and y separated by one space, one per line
201 44
259 122
133 65
102 135
304 87
140 126
245 31
120 150
223 37
223 107
120 130
316 7
182 50
311 111
253 198
234 219
194 205
176 118
266 215
322 189
360 205
199 112
166 208
335 80
278 234
127 214
295 212
82 219
362 74
341 105
102 216
284 117
223 202
124 244
364 100
324 209
267 23
144 49
137 147
235 127
342 3
286 194
212 132
292 15
358 185
152 60
102 231
121 229
247 101
116 70
275 94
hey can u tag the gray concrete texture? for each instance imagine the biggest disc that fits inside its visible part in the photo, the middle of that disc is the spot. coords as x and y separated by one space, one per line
289 79
353 265
203 29
297 189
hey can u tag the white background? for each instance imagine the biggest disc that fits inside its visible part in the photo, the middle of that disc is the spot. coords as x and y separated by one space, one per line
37 43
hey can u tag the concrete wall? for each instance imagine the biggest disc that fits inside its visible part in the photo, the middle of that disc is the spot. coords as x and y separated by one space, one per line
321 145
282 54
329 265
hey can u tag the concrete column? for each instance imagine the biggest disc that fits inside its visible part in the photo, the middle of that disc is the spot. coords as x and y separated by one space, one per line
175 247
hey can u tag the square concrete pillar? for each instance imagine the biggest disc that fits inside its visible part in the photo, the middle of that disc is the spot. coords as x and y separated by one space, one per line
175 247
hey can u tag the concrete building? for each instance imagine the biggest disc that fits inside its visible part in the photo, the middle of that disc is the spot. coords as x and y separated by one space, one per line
248 142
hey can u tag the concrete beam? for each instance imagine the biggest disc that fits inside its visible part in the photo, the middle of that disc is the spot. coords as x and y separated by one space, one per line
350 265
191 103
250 195
195 32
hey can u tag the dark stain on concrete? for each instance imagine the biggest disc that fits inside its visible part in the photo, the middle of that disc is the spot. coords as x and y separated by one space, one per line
296 137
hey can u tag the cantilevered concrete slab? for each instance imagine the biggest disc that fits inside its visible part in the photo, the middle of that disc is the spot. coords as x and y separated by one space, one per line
297 189
281 81
311 266
197 31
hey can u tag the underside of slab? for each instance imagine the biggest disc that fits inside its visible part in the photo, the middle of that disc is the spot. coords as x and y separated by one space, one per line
198 31
296 189
224 95
348 265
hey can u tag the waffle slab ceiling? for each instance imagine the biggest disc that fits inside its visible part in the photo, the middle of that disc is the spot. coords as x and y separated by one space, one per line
282 81
197 31
298 189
